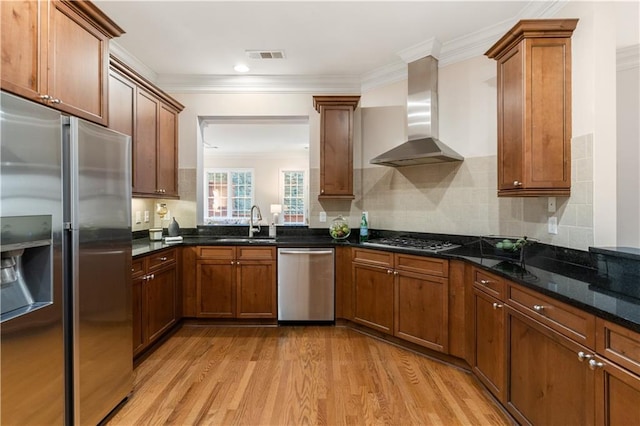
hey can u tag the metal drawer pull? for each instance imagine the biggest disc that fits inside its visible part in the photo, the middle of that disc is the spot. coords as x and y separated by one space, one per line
593 364
163 259
485 282
517 183
538 308
497 305
582 356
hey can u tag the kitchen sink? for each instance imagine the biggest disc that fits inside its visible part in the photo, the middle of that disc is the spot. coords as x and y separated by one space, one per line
245 240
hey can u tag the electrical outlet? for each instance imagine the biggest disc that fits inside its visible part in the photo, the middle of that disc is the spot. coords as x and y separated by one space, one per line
551 205
146 216
138 217
553 225
323 217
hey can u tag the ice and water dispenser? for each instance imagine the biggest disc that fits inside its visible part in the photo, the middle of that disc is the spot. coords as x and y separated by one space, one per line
26 278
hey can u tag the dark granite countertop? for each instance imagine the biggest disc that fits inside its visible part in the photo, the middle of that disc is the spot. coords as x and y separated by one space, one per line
555 272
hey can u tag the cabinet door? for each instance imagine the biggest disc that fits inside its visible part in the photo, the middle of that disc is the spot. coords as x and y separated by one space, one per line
510 119
144 146
421 310
78 60
167 168
373 297
161 302
489 343
139 338
617 395
215 289
548 384
336 151
23 32
122 95
256 289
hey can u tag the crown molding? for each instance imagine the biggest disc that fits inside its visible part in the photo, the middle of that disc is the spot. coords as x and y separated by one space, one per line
384 75
179 83
628 58
132 61
429 47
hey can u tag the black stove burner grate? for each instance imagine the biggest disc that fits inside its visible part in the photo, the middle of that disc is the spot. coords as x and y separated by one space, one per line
429 245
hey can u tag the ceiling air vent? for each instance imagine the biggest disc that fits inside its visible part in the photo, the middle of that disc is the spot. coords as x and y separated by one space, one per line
265 54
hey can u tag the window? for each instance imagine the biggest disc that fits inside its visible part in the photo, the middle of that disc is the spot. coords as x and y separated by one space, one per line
293 199
229 194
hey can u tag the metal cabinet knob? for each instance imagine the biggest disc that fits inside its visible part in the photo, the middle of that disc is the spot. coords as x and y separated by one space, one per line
582 356
538 308
593 364
389 271
322 191
484 282
152 276
517 183
44 97
55 101
162 259
497 305
395 272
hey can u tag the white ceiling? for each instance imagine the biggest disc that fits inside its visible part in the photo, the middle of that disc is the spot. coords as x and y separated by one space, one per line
201 41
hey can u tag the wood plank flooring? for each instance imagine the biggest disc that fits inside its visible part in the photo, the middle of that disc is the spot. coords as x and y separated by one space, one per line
303 375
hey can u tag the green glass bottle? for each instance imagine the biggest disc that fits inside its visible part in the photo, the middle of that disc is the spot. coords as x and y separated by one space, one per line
364 228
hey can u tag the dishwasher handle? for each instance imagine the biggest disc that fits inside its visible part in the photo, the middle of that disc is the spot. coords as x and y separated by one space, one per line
305 252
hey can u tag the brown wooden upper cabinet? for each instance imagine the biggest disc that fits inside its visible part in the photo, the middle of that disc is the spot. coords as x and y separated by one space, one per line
150 116
336 145
57 53
534 108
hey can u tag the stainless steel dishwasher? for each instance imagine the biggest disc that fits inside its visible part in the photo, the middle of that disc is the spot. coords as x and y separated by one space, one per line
306 286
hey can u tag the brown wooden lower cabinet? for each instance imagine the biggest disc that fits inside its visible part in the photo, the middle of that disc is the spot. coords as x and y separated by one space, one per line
373 297
617 395
402 295
421 308
548 383
154 288
236 282
489 354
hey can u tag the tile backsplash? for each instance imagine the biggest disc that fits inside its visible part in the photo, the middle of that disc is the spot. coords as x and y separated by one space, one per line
451 198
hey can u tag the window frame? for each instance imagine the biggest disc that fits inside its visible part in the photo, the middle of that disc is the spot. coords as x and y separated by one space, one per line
304 198
229 218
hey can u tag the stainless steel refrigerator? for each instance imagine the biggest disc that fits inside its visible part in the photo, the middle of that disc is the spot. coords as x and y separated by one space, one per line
65 293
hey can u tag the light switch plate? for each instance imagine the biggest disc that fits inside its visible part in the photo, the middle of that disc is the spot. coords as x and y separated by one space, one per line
553 225
138 217
323 217
146 216
551 205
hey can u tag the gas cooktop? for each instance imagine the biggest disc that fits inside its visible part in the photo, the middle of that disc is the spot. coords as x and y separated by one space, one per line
425 245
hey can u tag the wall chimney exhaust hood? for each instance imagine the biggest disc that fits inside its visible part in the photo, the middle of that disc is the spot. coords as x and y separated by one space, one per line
423 146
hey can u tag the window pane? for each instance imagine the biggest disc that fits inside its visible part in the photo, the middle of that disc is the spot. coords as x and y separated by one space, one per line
293 197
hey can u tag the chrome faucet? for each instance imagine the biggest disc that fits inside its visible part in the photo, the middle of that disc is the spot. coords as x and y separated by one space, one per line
251 227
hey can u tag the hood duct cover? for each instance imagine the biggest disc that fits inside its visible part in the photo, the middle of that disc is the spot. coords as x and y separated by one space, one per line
423 146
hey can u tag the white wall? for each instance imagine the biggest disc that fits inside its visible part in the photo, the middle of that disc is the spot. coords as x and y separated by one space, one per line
628 190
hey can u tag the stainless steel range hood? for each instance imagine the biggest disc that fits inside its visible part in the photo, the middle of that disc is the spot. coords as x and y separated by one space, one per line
423 146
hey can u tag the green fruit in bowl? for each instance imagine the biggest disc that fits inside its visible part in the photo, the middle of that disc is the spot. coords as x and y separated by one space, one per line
507 245
339 228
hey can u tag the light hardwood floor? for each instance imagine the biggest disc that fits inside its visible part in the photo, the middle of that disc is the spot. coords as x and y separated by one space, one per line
299 376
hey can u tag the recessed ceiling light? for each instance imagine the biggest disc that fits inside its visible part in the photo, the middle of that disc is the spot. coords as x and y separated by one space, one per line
241 68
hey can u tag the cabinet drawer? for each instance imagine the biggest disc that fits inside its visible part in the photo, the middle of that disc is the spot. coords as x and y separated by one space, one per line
216 252
158 260
372 257
566 320
618 344
489 283
255 253
422 265
137 267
